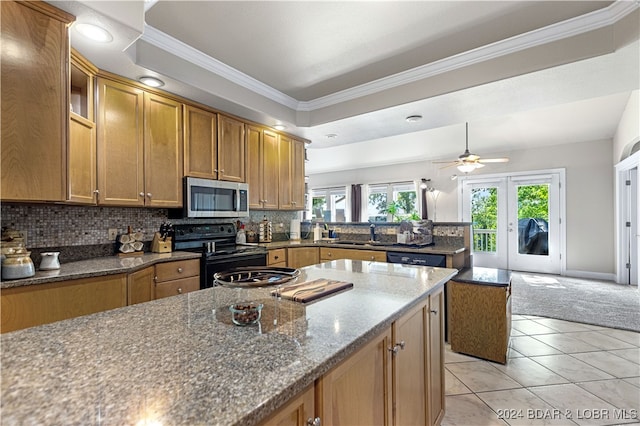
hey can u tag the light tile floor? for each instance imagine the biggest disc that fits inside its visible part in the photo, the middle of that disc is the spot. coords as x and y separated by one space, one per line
558 372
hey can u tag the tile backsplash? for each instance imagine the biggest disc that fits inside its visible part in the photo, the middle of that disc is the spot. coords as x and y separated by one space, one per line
52 225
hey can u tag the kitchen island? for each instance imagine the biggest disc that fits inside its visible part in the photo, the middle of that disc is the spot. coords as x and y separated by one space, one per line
180 360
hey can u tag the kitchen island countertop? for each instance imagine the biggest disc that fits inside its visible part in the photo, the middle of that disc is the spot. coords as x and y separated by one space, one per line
180 360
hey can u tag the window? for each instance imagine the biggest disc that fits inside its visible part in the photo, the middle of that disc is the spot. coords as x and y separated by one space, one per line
329 204
392 202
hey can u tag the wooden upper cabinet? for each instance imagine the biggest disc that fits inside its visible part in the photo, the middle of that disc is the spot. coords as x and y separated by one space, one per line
200 143
35 101
297 174
163 168
231 149
81 152
139 147
291 174
120 144
262 168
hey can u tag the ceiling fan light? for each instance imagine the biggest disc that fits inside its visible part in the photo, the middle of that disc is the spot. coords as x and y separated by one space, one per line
466 167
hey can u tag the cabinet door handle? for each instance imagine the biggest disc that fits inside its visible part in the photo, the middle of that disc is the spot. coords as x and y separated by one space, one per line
179 290
394 350
95 191
155 278
401 344
141 194
276 257
314 422
434 311
180 270
149 194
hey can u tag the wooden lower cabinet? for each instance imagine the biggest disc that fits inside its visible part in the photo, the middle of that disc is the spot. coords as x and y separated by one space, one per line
435 357
299 411
140 286
397 378
173 278
299 257
358 391
29 306
327 254
277 257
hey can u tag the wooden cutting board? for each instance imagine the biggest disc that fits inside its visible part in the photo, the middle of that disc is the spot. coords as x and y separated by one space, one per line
312 290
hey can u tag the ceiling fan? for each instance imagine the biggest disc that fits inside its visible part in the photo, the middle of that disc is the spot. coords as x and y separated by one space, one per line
468 162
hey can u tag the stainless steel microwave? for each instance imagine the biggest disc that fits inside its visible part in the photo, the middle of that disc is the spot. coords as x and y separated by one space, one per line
214 198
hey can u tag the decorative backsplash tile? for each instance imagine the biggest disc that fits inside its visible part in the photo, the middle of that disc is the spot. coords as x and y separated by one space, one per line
52 225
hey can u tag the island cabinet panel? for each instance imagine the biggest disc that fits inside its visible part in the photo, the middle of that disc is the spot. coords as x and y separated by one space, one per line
358 391
29 306
163 168
262 168
277 257
120 144
328 253
410 379
296 412
173 278
300 257
140 286
231 149
200 143
435 355
35 101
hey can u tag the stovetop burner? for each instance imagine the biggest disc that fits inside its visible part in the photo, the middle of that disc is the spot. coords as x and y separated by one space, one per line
256 276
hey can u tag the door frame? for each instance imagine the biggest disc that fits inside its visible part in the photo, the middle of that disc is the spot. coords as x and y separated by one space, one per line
623 201
562 228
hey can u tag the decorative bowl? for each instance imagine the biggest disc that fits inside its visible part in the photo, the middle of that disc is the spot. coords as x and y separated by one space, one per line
245 313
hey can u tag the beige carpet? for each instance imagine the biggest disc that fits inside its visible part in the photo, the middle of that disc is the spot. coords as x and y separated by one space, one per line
574 299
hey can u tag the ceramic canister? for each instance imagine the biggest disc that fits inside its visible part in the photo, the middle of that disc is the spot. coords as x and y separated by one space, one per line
17 264
49 261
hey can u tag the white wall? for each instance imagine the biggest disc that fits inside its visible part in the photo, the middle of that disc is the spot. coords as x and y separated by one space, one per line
590 199
628 131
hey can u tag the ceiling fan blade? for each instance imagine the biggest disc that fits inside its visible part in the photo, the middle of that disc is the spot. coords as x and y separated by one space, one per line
451 164
472 157
494 160
445 162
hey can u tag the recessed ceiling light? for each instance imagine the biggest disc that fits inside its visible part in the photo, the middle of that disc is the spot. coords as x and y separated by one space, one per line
94 32
331 136
279 127
151 81
413 118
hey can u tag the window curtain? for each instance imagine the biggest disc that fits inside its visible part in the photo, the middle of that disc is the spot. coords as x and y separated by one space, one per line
356 202
425 213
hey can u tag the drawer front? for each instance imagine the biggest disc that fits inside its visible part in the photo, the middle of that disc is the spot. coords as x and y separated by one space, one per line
276 256
176 287
334 254
176 270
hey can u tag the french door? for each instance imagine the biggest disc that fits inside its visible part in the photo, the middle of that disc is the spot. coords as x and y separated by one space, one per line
516 220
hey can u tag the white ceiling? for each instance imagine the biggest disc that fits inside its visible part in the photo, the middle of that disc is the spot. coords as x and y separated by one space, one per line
522 73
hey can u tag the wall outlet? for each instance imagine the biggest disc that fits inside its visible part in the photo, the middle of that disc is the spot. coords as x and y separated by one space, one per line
113 234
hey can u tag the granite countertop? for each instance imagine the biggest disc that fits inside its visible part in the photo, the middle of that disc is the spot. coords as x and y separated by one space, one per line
485 276
180 360
434 249
99 267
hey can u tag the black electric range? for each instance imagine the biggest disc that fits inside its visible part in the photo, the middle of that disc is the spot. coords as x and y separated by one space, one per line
217 244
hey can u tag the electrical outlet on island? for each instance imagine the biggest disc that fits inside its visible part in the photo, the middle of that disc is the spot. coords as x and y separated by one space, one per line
113 234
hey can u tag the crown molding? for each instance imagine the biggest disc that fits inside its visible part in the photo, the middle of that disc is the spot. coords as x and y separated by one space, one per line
561 30
182 50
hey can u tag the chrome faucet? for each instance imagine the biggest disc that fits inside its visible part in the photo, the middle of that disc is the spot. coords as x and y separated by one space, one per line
372 232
